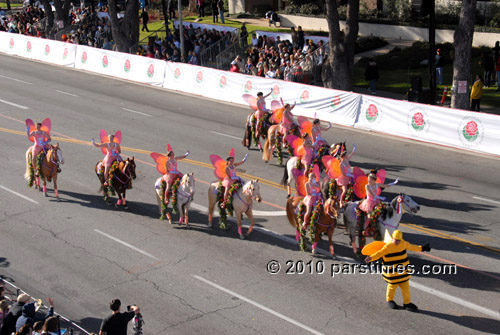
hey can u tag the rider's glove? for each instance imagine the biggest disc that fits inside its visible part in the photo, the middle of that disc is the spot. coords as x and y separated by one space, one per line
329 125
186 154
353 149
394 182
426 247
28 130
379 198
245 158
93 141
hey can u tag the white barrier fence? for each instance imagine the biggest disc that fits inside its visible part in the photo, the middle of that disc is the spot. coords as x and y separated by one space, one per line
451 127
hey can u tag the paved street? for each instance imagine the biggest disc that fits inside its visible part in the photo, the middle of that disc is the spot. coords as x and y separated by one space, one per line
202 280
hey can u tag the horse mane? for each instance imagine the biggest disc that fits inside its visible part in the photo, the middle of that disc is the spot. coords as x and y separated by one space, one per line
388 212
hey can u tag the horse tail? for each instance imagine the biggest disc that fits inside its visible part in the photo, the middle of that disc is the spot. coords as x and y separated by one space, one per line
27 172
284 180
290 213
211 199
266 155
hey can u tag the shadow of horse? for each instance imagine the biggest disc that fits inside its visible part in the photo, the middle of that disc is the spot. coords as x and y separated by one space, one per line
95 201
478 324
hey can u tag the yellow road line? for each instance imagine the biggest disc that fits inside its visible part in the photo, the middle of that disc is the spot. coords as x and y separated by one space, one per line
448 236
263 181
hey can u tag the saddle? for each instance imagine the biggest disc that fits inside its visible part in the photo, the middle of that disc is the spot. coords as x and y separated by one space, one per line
228 204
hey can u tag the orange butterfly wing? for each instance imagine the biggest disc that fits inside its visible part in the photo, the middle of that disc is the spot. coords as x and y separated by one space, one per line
46 125
359 186
161 162
118 137
219 166
32 127
333 166
251 101
300 181
278 115
305 125
380 179
316 172
104 139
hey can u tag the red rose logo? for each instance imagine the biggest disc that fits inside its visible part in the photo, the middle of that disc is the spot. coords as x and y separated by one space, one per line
65 53
151 70
371 113
126 66
471 128
105 62
177 73
11 43
248 86
28 46
276 91
304 96
418 118
47 49
84 57
336 101
223 81
199 77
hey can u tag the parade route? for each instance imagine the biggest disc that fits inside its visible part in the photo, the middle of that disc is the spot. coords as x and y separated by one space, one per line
204 280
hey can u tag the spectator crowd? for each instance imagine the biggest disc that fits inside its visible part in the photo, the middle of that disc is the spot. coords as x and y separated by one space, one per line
298 60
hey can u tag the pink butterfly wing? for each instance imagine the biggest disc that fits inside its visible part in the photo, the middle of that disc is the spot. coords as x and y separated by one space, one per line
381 179
46 125
251 101
32 127
104 139
161 162
357 172
118 137
219 166
300 181
316 171
275 105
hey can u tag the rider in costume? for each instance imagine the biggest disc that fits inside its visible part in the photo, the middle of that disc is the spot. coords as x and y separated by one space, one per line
287 121
318 141
345 169
172 172
313 194
308 155
42 138
260 113
113 152
372 199
395 259
231 175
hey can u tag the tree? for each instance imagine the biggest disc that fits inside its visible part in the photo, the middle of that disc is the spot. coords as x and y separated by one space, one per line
62 11
125 30
462 62
49 23
337 71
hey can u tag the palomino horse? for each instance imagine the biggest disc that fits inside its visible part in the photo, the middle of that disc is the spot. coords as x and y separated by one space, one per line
389 220
185 195
326 221
121 182
271 142
48 168
242 203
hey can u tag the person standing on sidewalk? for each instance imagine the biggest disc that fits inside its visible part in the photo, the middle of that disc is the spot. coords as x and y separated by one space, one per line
145 20
220 4
476 94
371 75
301 40
439 67
215 11
116 323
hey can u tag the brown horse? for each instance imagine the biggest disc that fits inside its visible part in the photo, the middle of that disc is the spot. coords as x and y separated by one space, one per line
48 169
325 223
121 182
270 142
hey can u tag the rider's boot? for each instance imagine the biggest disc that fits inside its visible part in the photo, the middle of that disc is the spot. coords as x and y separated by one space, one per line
366 233
58 169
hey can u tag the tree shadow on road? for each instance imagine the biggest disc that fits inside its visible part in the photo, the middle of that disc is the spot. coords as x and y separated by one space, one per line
90 324
388 167
479 324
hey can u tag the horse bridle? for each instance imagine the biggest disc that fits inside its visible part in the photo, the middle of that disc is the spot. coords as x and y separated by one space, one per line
124 172
188 196
54 153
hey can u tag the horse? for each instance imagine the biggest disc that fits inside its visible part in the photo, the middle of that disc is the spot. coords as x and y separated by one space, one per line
271 142
325 223
48 168
185 195
121 182
242 203
389 220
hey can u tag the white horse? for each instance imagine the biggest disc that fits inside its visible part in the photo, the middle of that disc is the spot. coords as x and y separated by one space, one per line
185 194
389 220
291 163
242 203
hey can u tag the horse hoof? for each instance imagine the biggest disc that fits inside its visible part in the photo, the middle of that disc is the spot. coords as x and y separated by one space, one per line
242 237
209 225
334 257
58 199
170 222
45 194
313 252
108 203
125 207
